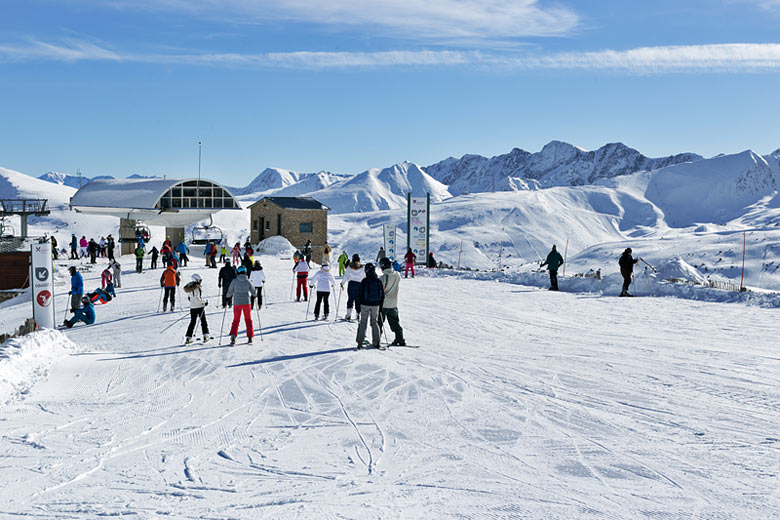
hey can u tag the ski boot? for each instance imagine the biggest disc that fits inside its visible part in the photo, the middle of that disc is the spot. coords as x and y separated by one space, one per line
348 317
325 317
398 343
188 341
232 340
206 337
249 340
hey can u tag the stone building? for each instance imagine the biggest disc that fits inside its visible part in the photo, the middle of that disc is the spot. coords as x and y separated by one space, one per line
297 219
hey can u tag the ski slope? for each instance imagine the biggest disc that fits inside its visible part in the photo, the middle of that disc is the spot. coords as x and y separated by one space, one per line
520 403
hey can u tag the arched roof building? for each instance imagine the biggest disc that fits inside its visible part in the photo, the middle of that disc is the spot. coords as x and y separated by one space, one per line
160 202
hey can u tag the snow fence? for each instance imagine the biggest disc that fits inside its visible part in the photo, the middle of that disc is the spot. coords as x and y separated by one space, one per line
27 359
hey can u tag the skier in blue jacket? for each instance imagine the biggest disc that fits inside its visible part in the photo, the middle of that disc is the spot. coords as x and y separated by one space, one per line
76 288
183 251
84 315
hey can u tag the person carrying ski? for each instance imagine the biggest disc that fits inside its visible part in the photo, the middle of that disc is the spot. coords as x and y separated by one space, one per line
155 253
257 279
117 271
76 288
391 281
197 308
74 246
626 263
240 290
301 270
168 281
85 314
139 259
381 254
106 277
553 262
226 275
324 281
371 295
354 274
410 258
183 251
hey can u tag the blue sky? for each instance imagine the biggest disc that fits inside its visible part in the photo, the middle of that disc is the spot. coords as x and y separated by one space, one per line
119 87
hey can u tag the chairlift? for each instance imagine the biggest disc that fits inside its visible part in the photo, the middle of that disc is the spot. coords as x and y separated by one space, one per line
141 231
202 235
6 229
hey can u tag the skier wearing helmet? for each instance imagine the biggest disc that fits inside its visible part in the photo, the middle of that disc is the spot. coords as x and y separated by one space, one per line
197 308
240 290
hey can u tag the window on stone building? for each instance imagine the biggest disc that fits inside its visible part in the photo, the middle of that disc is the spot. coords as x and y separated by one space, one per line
306 227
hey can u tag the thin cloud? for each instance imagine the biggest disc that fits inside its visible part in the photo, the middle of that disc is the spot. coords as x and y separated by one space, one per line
739 57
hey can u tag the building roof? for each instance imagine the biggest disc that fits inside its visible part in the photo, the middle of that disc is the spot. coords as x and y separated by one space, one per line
123 193
294 203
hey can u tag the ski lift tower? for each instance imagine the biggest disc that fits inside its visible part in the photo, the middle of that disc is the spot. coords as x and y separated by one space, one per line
23 208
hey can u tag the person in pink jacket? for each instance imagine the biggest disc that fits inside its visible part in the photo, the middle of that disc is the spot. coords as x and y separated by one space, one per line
106 278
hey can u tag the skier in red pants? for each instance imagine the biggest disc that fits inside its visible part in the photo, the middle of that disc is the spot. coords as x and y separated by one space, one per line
410 259
240 290
301 269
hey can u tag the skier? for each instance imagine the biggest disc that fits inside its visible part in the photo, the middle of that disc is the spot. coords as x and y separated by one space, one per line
197 308
102 245
117 273
391 282
168 281
83 246
139 259
155 253
74 244
167 242
54 251
627 270
92 248
110 247
257 278
307 251
183 251
326 250
324 281
76 289
248 262
222 253
301 270
381 254
352 277
101 295
371 295
553 262
213 255
226 275
396 266
85 315
166 253
236 254
105 277
240 290
410 258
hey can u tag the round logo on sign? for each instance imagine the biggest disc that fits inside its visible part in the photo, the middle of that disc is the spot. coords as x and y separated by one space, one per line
43 298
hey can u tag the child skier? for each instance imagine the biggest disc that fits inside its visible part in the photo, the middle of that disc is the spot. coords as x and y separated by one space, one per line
324 281
197 308
240 290
168 281
354 275
257 279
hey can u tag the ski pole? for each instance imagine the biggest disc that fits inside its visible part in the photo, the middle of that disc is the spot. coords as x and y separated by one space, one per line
292 286
308 302
159 303
382 325
172 324
222 327
259 326
338 302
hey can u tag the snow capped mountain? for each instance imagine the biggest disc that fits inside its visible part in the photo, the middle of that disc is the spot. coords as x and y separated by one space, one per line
383 189
557 164
278 180
67 179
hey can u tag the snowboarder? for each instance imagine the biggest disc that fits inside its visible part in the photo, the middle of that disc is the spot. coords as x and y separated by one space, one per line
301 270
371 295
76 288
197 308
391 282
410 258
627 270
257 278
139 259
324 281
85 315
240 290
226 275
155 253
117 269
74 245
169 280
553 262
183 251
381 254
354 274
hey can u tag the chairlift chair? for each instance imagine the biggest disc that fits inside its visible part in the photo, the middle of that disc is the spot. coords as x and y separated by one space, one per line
6 229
141 230
202 235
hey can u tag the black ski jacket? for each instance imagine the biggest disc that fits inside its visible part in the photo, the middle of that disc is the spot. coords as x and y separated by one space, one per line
226 275
627 264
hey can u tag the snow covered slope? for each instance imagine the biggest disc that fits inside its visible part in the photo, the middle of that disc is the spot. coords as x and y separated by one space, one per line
67 179
557 164
274 180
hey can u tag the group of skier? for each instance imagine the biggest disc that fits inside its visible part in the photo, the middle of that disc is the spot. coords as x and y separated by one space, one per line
626 262
81 248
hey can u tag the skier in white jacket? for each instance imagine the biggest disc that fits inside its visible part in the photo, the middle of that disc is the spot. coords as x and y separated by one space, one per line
352 278
197 308
324 281
257 279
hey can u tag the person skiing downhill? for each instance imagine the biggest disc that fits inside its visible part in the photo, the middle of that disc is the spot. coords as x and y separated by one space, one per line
324 281
226 275
343 261
371 295
354 274
553 262
197 308
301 270
257 279
626 263
240 290
410 258
391 281
168 281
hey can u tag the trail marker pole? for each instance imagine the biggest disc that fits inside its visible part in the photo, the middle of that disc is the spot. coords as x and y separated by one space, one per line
460 252
565 253
744 247
500 253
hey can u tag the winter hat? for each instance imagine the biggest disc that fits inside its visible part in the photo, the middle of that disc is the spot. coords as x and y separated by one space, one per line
325 264
196 278
356 257
370 269
385 263
242 269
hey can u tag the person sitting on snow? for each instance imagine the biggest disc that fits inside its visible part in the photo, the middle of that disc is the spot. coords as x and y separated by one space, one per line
85 315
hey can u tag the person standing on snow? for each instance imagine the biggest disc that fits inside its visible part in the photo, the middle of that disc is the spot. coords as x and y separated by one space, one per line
155 253
197 308
54 251
168 281
83 246
222 253
257 279
410 258
553 262
110 248
391 281
371 295
183 251
226 275
354 274
236 253
117 269
381 254
326 254
76 288
105 277
213 255
85 315
240 290
343 261
139 259
627 270
324 281
74 247
301 270
307 251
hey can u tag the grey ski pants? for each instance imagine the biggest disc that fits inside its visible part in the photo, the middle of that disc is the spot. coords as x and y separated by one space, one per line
369 313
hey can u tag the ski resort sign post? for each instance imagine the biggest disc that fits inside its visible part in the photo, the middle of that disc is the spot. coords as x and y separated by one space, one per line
42 285
390 241
418 226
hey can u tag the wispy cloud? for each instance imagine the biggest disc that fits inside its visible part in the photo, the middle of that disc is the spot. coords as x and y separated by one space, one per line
433 20
739 57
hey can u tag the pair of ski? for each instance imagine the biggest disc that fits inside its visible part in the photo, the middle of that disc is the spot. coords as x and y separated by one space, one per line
382 346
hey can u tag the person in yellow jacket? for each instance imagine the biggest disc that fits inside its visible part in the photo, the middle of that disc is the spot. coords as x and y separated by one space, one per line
343 260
